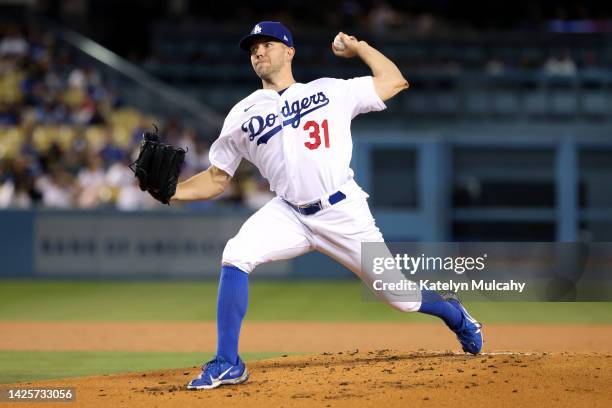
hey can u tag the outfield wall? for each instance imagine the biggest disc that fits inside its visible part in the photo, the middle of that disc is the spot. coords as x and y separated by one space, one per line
119 245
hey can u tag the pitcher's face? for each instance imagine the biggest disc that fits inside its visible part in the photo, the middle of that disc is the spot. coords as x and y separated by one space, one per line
269 57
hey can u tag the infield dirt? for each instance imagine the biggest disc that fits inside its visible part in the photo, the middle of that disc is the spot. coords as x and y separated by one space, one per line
378 378
542 366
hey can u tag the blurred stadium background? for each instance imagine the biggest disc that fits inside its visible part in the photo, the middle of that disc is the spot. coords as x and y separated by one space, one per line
504 135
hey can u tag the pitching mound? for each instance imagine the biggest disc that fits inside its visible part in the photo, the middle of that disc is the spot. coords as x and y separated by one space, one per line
380 378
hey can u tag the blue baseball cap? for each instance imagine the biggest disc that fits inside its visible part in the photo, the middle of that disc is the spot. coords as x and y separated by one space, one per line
272 29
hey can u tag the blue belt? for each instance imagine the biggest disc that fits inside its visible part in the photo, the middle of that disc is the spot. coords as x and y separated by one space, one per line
313 208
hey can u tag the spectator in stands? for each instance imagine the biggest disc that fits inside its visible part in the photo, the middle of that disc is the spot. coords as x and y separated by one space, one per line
561 65
73 160
9 198
124 190
87 112
201 156
84 79
9 115
52 111
495 66
13 44
172 130
91 180
139 130
130 198
31 153
40 44
188 141
110 152
18 189
7 187
57 188
53 156
32 90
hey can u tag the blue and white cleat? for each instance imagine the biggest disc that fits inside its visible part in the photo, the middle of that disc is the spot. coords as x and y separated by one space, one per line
219 372
469 334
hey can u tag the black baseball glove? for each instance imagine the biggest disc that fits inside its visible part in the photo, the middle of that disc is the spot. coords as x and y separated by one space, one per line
158 167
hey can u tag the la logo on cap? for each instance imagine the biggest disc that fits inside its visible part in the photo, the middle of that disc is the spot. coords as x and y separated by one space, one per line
256 29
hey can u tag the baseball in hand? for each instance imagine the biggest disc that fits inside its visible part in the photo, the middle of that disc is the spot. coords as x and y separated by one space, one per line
338 44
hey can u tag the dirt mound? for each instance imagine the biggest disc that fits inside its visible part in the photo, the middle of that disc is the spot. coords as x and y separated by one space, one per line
380 378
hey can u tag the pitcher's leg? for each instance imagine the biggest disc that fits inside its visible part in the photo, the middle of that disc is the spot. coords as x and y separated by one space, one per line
340 235
232 302
272 233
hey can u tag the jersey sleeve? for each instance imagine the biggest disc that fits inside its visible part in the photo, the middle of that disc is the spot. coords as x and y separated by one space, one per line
224 154
360 95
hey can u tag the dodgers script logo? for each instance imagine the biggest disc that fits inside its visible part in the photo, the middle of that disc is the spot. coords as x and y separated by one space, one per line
292 115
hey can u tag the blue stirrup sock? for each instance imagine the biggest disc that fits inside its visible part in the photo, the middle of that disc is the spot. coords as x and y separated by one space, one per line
434 304
232 301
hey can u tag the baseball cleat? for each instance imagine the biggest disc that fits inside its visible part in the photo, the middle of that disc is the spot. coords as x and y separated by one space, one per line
218 372
469 334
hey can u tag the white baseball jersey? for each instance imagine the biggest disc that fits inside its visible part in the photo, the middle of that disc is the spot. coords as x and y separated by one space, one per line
299 140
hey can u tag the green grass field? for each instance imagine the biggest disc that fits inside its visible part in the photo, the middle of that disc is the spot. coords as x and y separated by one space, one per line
195 301
268 301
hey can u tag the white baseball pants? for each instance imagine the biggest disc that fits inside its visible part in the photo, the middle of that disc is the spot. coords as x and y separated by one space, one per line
278 232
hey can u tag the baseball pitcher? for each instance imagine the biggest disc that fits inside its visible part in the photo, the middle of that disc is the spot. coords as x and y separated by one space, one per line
298 135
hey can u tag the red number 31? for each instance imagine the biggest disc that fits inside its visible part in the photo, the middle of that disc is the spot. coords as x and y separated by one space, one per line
315 137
